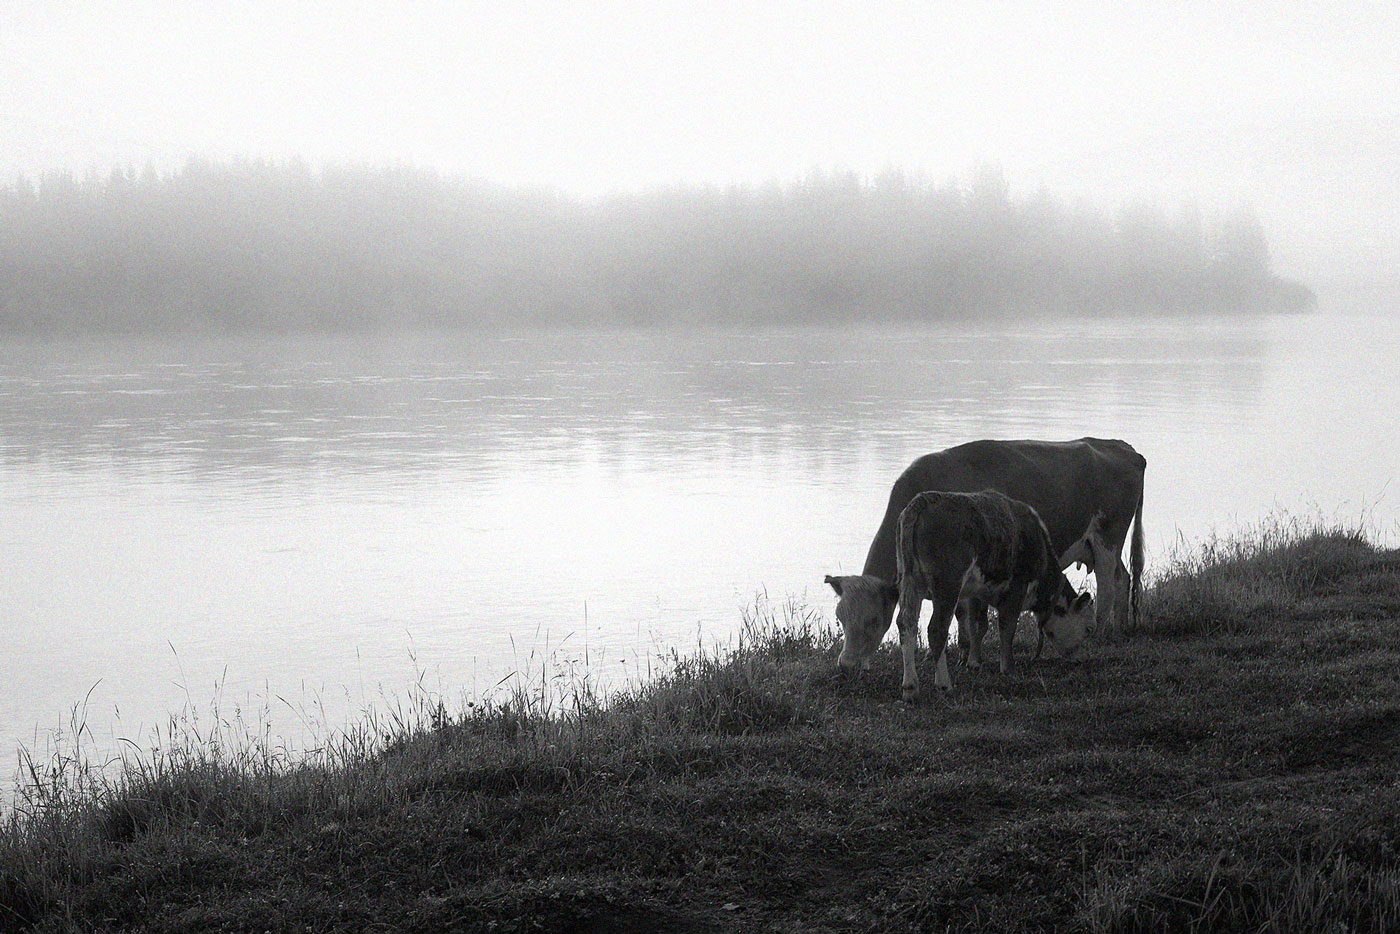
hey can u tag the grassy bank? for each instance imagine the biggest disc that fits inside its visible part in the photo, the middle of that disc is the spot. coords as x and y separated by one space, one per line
1232 765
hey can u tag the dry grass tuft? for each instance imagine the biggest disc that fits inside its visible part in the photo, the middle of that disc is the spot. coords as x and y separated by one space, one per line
1229 583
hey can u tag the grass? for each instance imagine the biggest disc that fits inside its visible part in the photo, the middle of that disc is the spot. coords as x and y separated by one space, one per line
1231 766
1232 582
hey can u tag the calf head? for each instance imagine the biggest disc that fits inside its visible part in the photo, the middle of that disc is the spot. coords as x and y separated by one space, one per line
865 608
1064 627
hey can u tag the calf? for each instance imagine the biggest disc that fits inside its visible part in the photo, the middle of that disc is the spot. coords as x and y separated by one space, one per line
977 546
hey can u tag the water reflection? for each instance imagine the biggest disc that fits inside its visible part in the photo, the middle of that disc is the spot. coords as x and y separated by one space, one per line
275 408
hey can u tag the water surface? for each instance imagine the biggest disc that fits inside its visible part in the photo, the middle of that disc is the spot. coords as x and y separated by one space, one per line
300 522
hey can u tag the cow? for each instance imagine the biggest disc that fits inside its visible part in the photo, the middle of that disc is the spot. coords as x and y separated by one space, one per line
1087 492
988 546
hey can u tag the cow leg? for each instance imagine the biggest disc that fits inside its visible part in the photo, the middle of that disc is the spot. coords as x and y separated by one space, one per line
1008 615
1107 580
964 617
979 627
972 628
1122 597
975 632
910 601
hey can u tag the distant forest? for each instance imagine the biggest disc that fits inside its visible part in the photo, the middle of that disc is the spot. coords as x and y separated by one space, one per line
258 246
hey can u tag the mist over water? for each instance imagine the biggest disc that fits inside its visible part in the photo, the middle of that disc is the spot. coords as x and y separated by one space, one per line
258 247
307 519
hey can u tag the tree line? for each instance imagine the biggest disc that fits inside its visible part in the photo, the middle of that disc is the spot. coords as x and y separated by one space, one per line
257 245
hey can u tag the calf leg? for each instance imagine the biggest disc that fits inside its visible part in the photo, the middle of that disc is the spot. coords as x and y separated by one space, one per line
1008 615
943 607
910 601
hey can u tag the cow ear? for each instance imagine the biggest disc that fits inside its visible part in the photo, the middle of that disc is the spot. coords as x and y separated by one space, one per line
1081 601
835 583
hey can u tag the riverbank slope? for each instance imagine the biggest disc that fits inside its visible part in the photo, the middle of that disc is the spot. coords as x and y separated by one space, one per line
1232 764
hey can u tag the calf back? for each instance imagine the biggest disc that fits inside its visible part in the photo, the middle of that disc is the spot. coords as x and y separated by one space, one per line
942 535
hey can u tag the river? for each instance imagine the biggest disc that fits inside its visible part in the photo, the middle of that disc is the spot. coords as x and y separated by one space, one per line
296 528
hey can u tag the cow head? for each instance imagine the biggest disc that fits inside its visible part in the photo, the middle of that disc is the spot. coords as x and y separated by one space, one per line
1065 626
865 608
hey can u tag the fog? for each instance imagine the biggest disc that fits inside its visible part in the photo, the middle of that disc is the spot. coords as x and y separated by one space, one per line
266 246
1291 111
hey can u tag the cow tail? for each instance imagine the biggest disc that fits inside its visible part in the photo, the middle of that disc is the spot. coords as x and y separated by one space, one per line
1135 593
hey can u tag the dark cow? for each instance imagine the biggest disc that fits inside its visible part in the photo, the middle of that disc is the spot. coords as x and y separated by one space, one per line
983 545
1087 492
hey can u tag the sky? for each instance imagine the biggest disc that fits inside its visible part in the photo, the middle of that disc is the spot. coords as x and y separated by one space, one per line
1291 108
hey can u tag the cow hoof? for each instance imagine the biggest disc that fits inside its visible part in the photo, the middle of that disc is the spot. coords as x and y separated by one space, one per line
974 663
911 693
